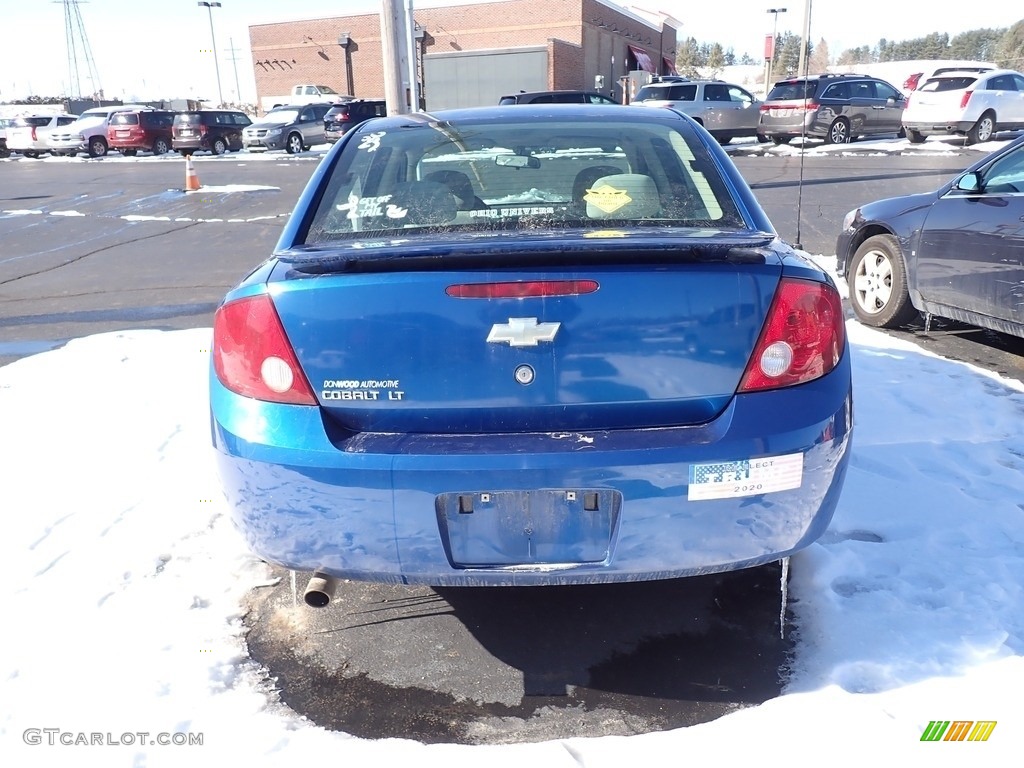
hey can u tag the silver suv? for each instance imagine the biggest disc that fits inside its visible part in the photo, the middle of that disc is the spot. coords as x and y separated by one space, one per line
726 110
836 108
292 128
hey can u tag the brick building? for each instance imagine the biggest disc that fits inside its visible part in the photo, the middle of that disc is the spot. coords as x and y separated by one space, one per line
470 55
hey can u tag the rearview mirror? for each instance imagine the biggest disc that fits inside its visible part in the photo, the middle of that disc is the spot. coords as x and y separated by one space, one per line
517 161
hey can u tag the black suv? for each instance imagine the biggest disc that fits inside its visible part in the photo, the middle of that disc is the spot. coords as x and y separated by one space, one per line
556 97
836 108
217 130
342 118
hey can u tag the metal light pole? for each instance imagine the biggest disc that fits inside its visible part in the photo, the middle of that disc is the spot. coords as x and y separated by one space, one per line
234 61
770 60
216 64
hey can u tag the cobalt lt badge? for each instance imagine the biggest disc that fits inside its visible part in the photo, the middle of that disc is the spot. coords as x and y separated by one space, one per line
522 332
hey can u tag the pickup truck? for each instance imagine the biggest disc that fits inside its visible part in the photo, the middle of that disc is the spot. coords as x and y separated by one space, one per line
304 94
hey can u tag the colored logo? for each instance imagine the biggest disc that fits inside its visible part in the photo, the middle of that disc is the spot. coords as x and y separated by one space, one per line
607 198
958 730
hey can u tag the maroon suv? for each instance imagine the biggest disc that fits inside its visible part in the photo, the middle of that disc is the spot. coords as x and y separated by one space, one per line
129 132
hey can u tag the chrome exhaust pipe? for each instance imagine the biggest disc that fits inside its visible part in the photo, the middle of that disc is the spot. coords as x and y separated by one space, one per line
320 590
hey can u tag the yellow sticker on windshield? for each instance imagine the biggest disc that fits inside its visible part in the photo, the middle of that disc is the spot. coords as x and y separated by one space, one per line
607 198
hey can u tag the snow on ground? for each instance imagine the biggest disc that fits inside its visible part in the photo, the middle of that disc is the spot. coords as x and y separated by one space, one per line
123 581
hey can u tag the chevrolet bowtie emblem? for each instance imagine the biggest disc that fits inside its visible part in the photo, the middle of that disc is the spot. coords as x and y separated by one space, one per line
522 332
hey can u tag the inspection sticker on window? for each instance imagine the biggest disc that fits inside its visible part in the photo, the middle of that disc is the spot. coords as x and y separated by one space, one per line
746 477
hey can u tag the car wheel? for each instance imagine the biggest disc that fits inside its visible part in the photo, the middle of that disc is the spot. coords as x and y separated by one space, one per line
838 132
129 152
218 147
982 130
30 153
723 140
916 137
782 139
762 139
294 144
97 147
160 146
878 287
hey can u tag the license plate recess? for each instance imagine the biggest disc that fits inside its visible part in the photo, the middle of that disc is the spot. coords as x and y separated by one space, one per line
482 529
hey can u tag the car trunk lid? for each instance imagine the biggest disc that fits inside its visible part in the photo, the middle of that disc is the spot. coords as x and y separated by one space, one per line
641 341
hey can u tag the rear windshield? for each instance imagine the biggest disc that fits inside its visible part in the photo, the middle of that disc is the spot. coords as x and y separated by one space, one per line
124 118
187 118
26 121
792 90
939 84
671 93
548 174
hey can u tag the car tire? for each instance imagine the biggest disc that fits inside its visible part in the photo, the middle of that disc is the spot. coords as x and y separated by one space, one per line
30 153
983 130
160 147
218 147
129 152
782 139
915 137
762 139
723 140
878 284
293 144
97 146
838 132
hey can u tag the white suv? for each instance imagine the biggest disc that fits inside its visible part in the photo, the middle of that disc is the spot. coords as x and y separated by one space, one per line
971 104
27 134
88 133
727 111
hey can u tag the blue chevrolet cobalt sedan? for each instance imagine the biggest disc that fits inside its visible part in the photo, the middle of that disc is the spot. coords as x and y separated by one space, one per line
549 345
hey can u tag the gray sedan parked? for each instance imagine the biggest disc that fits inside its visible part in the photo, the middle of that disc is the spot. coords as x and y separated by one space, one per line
293 128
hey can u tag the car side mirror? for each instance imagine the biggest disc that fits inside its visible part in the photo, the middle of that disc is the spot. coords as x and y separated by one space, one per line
969 182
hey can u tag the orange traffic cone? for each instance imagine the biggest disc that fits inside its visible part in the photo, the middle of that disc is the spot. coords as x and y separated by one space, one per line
191 177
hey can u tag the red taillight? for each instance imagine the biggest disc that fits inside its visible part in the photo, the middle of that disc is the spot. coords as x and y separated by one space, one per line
802 339
252 355
33 133
202 129
965 98
766 107
522 290
810 106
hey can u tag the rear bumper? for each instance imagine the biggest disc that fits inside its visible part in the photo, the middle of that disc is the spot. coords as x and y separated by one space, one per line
939 129
371 507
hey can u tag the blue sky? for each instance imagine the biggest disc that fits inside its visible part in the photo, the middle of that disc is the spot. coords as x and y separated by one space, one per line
162 50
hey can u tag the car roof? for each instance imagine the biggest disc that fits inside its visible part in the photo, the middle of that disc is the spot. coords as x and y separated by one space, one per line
527 112
522 94
669 83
